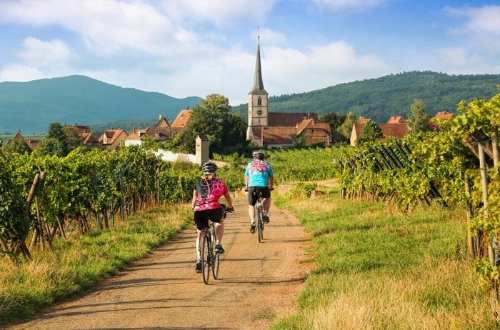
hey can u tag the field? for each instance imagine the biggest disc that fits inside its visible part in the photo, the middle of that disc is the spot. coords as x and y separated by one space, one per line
377 268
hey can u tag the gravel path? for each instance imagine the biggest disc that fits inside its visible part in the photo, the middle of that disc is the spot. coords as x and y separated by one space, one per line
259 282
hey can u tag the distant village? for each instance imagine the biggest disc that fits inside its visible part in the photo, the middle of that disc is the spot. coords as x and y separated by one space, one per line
264 129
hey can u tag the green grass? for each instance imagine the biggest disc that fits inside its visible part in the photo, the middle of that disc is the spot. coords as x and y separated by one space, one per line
376 268
78 263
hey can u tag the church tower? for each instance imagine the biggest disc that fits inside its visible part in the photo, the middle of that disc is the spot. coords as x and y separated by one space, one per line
257 102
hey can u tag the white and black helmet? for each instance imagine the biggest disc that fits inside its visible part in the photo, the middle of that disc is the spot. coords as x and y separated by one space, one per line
259 154
209 168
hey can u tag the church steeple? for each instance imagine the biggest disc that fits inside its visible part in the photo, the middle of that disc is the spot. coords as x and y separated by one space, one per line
257 104
258 83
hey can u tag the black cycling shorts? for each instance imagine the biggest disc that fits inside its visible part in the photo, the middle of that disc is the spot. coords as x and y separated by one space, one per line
201 218
255 192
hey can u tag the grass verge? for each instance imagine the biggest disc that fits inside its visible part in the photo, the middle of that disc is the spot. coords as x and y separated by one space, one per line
376 268
78 263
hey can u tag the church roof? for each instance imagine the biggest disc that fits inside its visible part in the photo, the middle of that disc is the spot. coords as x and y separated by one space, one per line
288 119
258 83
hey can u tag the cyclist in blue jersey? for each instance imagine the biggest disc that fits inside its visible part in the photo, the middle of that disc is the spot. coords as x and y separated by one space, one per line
258 182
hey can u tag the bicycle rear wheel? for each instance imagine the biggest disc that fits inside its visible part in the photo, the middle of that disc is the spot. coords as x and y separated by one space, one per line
260 226
216 265
205 259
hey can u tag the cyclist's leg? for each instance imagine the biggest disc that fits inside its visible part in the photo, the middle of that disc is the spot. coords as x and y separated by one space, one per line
218 220
252 199
201 220
217 217
199 235
266 195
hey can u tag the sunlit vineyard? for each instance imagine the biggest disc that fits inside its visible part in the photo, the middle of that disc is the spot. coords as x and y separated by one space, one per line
456 167
304 164
41 198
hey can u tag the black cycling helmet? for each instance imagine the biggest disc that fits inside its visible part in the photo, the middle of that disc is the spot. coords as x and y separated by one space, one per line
209 168
259 154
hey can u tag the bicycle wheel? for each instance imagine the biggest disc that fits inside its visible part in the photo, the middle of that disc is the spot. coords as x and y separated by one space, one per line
260 226
205 258
216 265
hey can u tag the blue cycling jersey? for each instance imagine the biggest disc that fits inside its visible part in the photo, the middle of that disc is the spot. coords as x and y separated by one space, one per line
258 173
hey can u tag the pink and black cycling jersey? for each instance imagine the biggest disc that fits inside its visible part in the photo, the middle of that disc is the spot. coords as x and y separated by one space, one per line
208 194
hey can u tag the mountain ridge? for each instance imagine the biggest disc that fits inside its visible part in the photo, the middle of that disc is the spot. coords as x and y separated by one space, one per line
389 95
32 106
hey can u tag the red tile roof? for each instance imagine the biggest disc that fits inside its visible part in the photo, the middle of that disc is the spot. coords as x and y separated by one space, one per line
283 119
110 136
397 120
33 143
312 124
444 115
397 130
182 119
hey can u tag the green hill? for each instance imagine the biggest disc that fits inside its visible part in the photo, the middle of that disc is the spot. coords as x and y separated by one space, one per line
32 106
389 95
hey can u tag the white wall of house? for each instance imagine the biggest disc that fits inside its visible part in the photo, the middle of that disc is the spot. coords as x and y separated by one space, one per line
129 143
170 156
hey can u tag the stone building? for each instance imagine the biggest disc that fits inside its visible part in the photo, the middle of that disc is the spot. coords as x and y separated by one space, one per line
277 130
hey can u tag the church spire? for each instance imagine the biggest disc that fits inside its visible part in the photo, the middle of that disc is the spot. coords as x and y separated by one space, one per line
258 84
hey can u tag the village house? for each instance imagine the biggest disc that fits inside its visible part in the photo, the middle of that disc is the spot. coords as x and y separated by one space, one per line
87 138
277 130
439 118
159 132
181 122
113 138
396 127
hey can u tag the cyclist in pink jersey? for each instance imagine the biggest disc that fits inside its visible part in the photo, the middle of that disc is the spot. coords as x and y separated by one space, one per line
208 190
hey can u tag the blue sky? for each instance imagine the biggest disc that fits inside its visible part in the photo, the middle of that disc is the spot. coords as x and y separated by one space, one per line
197 47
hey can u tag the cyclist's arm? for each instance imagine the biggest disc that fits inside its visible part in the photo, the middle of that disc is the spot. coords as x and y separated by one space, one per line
193 201
229 201
246 178
271 177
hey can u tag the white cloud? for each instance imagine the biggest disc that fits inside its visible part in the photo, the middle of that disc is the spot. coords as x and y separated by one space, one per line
291 70
462 61
19 72
176 60
220 12
106 26
44 53
229 71
338 5
269 37
481 25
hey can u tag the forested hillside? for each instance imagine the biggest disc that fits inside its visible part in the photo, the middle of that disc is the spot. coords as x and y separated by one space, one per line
32 106
389 95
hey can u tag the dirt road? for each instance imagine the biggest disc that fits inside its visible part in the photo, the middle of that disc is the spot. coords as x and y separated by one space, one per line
162 291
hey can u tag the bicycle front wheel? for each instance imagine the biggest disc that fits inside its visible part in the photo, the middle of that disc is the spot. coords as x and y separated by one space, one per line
205 259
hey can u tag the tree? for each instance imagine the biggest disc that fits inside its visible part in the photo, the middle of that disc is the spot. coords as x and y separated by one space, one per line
72 138
346 128
418 120
371 132
17 145
335 120
55 143
214 119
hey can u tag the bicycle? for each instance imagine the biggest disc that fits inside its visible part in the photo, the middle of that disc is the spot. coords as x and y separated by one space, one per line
259 217
258 214
210 259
